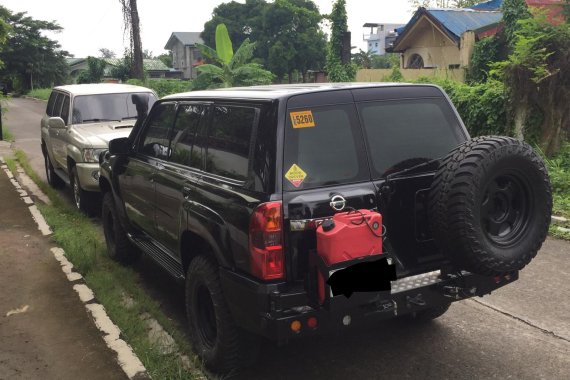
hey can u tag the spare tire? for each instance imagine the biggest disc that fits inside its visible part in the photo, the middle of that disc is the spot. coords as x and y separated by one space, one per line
490 204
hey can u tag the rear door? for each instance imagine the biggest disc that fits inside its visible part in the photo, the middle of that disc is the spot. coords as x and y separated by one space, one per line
404 127
324 161
58 136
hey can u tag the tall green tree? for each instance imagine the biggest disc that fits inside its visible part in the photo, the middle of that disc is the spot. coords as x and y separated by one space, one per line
513 11
30 58
229 69
131 22
537 78
287 33
337 70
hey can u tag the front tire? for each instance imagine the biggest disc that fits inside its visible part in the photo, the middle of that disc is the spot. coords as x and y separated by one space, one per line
213 333
119 247
85 201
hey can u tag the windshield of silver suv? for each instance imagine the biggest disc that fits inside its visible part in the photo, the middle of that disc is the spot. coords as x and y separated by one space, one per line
105 107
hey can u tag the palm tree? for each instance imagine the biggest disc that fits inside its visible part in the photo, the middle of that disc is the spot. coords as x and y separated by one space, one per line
229 69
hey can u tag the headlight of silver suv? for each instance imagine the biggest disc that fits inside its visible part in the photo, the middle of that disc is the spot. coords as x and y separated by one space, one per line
92 154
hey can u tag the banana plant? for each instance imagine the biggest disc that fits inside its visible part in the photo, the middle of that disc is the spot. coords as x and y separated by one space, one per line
229 69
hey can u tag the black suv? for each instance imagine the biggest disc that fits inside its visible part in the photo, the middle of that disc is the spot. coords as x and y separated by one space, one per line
228 189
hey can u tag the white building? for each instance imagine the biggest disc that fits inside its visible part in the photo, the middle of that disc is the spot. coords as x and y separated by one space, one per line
379 37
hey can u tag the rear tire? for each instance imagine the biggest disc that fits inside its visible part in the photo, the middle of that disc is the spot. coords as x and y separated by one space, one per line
490 205
119 247
214 336
86 201
53 179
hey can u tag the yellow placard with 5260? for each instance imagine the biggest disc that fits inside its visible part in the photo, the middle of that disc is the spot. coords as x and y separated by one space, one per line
302 119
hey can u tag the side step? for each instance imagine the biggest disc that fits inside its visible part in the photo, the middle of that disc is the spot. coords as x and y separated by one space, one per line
160 255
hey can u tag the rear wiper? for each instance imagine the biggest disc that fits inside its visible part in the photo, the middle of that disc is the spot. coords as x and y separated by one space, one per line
411 169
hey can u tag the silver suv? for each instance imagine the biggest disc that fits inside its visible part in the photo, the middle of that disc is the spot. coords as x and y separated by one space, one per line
80 121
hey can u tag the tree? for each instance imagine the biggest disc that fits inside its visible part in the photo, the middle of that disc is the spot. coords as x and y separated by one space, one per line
166 58
30 58
122 70
107 53
513 11
94 73
228 69
537 79
132 25
287 33
363 59
337 70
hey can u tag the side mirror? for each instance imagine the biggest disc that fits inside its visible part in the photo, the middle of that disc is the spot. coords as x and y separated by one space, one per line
56 122
119 146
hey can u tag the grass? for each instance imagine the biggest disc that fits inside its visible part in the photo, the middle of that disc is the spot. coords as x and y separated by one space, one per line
85 248
40 93
7 135
559 171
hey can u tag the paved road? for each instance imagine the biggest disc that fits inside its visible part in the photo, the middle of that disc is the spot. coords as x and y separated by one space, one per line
521 332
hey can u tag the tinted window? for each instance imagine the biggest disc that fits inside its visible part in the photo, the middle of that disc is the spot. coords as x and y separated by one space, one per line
189 118
51 103
57 107
154 140
404 133
93 108
229 140
65 109
325 151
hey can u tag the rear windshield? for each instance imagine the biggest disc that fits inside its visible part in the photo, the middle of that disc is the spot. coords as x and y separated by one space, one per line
323 146
403 133
105 107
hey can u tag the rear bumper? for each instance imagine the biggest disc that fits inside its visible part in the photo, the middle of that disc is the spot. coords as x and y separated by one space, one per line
269 309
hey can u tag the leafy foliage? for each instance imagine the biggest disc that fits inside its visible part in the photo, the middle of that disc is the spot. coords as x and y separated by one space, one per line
337 71
30 58
415 4
229 69
513 11
163 87
537 78
122 71
95 71
107 53
286 32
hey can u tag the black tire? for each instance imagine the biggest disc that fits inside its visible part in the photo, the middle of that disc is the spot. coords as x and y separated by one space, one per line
86 201
428 315
53 179
214 336
490 205
119 247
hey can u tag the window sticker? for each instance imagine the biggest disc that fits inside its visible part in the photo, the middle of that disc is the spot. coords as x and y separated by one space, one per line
302 119
296 175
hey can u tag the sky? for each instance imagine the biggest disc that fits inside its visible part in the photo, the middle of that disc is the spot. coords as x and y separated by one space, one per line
90 25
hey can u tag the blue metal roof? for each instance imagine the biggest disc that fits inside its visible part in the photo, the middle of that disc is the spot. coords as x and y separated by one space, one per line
491 5
458 21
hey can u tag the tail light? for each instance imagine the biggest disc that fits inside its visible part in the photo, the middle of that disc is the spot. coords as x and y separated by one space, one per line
266 241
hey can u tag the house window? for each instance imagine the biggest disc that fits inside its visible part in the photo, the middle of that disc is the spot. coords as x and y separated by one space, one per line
416 62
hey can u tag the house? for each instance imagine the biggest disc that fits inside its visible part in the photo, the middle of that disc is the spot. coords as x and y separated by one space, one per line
380 37
185 54
154 68
444 38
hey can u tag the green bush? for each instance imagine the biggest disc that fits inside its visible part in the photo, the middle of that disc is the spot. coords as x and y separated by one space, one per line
40 93
163 87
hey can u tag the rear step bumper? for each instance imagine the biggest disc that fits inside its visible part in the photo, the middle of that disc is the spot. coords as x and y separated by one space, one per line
270 309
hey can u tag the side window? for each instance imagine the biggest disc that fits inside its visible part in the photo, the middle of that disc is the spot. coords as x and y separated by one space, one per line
51 102
229 141
65 110
154 141
190 116
57 107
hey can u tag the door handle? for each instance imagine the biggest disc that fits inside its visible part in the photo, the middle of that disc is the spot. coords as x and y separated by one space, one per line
186 191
